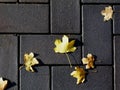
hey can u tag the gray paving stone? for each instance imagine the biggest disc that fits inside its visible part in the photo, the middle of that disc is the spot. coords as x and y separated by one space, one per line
24 18
116 19
65 16
102 80
44 44
8 60
33 0
35 81
97 36
8 0
117 62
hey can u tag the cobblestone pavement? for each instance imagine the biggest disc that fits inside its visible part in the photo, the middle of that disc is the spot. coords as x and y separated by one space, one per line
33 25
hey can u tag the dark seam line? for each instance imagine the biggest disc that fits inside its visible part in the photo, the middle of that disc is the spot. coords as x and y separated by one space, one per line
33 2
8 2
116 34
73 65
50 78
49 2
35 34
81 27
27 33
66 34
100 3
18 42
17 2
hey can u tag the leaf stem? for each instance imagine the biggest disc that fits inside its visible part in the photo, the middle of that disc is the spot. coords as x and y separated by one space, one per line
94 71
21 67
68 59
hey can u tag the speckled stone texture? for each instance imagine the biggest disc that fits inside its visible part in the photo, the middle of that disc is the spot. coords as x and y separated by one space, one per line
34 25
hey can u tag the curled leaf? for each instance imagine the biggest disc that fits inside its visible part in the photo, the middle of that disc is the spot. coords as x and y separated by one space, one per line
64 46
3 83
29 61
107 13
79 74
89 61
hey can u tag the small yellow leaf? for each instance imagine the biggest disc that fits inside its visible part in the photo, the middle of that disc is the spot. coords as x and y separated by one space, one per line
64 46
29 61
89 61
79 74
3 83
107 13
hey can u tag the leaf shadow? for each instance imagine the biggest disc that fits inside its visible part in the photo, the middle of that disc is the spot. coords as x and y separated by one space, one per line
95 57
86 75
38 65
96 60
77 42
39 60
35 54
10 84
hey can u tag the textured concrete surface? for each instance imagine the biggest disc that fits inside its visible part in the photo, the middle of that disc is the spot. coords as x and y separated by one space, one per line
35 81
117 62
65 16
97 33
103 76
8 60
24 18
33 26
43 45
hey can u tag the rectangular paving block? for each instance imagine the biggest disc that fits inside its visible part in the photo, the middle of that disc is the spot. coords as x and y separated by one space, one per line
24 18
65 16
43 45
8 60
101 80
117 61
35 81
97 36
33 0
116 19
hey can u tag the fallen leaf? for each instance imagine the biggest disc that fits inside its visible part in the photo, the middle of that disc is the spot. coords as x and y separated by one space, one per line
64 46
89 61
29 61
79 74
107 13
3 83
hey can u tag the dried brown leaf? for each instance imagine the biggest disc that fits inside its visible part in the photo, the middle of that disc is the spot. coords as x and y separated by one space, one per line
107 13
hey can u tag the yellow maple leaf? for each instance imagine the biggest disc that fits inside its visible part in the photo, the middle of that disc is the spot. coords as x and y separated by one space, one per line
64 46
89 61
107 13
3 83
79 74
29 61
